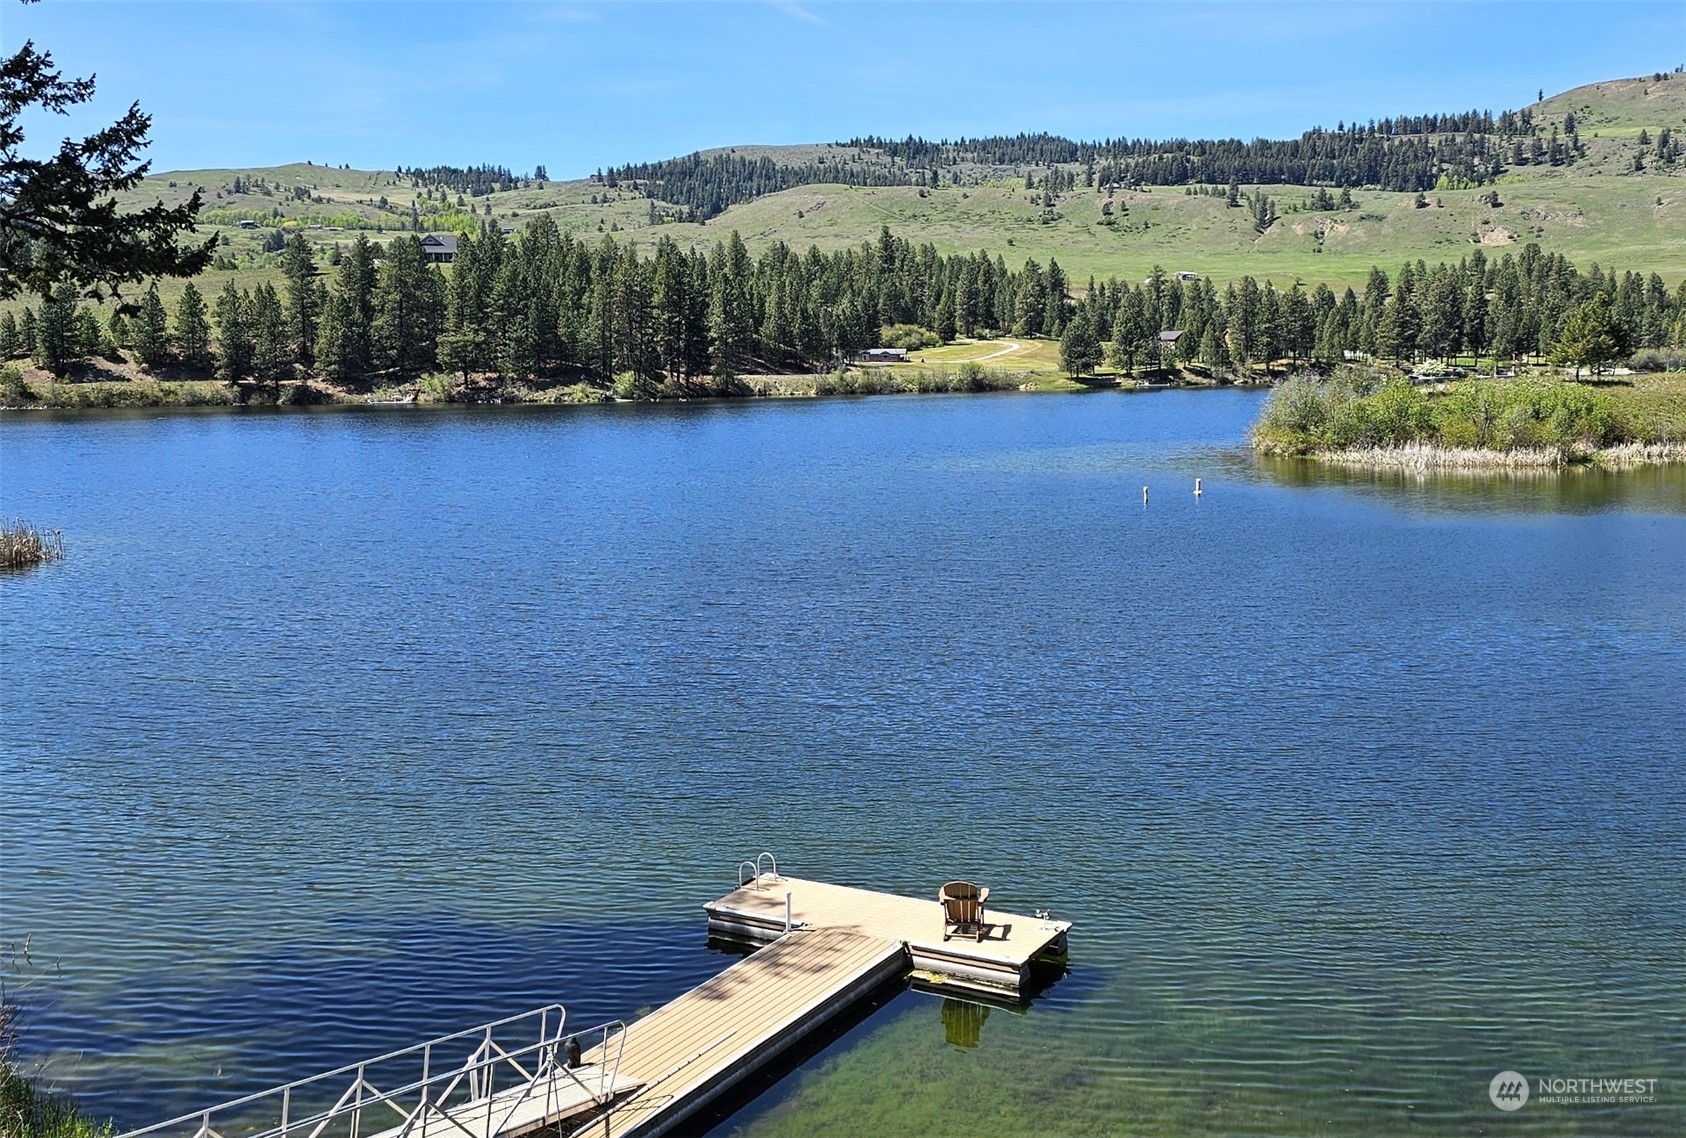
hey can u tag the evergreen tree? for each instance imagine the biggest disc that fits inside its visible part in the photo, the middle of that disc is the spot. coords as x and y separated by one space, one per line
1214 350
634 347
26 331
59 221
731 325
56 346
1299 322
409 308
303 307
1401 323
670 286
1241 303
192 332
151 332
354 293
11 341
1053 323
272 349
1376 293
1476 329
335 357
1591 337
1394 334
1080 348
1441 315
88 338
1271 337
597 349
944 323
462 347
1032 301
234 334
1129 333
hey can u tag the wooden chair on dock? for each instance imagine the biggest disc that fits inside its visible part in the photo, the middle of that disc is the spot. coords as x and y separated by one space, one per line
963 909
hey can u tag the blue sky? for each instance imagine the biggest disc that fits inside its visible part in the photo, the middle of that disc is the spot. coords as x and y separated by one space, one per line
576 86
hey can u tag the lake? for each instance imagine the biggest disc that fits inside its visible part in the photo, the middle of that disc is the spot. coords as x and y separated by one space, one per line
339 729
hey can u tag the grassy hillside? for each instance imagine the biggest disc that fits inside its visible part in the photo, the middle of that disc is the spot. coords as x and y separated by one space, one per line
1597 210
1620 108
1608 219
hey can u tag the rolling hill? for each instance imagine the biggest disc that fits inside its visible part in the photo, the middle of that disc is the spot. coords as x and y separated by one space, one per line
1599 209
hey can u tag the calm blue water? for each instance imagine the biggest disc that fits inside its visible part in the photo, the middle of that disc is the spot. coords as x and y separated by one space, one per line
335 730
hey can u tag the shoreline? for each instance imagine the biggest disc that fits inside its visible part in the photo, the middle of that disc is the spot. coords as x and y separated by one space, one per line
212 396
1433 456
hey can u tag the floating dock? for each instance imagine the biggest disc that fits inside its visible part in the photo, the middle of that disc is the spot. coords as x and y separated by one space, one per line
827 949
1001 963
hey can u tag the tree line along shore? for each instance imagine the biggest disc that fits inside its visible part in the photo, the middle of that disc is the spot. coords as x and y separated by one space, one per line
542 310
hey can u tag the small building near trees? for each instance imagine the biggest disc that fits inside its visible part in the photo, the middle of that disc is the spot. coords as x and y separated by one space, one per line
439 250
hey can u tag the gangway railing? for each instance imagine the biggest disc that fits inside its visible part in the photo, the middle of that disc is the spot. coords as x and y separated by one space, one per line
514 1074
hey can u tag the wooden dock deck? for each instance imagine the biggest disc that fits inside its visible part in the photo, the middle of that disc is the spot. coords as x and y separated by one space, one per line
689 1052
999 964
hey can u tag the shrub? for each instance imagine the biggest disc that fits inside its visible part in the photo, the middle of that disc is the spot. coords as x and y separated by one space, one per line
909 336
438 386
14 392
302 394
1658 359
1347 411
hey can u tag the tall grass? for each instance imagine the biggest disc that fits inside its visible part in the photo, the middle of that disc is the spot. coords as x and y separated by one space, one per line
22 545
28 1110
1533 422
969 376
136 393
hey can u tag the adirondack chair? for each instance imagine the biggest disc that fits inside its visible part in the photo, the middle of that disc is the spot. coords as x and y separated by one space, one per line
963 909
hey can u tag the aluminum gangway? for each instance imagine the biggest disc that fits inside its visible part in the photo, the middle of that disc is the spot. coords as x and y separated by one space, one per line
499 1080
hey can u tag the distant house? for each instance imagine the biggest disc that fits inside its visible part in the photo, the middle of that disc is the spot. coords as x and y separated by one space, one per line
246 223
439 250
884 355
1167 341
1185 275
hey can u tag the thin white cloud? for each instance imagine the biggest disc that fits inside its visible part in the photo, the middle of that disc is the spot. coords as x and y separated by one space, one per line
789 8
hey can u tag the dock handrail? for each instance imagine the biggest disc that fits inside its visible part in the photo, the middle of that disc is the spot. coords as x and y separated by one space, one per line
643 1098
755 870
422 1092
